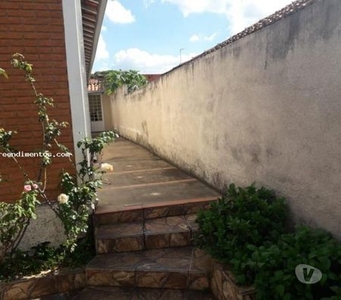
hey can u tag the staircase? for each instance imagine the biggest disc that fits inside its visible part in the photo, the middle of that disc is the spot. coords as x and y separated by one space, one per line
144 227
147 253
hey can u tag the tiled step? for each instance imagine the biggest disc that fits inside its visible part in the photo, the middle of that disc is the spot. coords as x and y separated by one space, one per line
139 212
60 296
156 233
113 293
169 268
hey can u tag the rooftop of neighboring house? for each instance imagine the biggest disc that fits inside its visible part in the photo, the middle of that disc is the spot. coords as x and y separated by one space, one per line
96 85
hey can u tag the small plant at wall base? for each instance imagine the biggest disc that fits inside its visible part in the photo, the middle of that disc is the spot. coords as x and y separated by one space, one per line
43 257
242 217
274 265
76 201
246 231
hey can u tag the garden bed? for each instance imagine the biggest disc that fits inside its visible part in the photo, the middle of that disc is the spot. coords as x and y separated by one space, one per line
223 285
46 283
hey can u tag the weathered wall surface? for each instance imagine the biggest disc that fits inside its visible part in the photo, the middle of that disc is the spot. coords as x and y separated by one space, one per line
46 228
264 109
107 112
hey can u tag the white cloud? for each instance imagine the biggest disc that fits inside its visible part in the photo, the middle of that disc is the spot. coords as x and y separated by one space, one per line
240 13
245 13
200 37
194 38
104 28
102 51
188 7
145 62
147 3
117 13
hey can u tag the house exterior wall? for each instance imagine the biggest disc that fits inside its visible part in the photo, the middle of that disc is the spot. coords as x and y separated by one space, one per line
264 109
35 29
106 109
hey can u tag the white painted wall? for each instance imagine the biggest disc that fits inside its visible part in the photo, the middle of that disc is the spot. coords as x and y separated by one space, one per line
76 72
46 228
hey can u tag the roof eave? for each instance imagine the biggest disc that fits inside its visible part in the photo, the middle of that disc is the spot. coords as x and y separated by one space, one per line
92 16
101 12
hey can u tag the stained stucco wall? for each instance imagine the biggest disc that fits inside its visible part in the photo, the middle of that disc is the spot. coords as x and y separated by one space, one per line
264 109
107 112
47 227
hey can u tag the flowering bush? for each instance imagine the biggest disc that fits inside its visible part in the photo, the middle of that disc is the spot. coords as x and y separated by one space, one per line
79 190
77 199
14 220
63 199
105 167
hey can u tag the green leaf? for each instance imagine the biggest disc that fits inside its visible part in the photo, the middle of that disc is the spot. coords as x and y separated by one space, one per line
280 289
3 73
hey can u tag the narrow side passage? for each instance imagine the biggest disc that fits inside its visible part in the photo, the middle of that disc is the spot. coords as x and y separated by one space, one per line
140 180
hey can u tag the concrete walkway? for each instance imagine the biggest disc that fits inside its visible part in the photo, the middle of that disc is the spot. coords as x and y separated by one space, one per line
140 179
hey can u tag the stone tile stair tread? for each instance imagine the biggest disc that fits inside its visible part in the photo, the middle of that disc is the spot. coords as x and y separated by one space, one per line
175 231
139 177
115 293
119 213
119 230
180 259
167 225
156 193
138 164
59 296
152 226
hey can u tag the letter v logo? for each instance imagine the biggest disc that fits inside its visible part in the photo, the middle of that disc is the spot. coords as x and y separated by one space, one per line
308 274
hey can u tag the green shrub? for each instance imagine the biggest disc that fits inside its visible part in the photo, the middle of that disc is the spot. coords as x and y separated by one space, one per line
43 257
274 265
240 218
245 229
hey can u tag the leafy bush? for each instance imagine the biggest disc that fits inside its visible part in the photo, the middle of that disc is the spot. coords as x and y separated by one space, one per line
43 257
114 79
245 229
240 218
14 219
274 265
79 188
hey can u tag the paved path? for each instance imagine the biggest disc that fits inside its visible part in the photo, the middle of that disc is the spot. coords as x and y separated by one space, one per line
141 179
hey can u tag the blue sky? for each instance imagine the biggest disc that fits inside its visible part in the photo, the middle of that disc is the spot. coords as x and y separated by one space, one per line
152 36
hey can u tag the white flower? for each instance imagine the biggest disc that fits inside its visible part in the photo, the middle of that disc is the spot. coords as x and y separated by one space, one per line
62 198
106 167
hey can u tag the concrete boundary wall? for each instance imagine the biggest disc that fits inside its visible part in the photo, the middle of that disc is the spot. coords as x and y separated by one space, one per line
264 109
